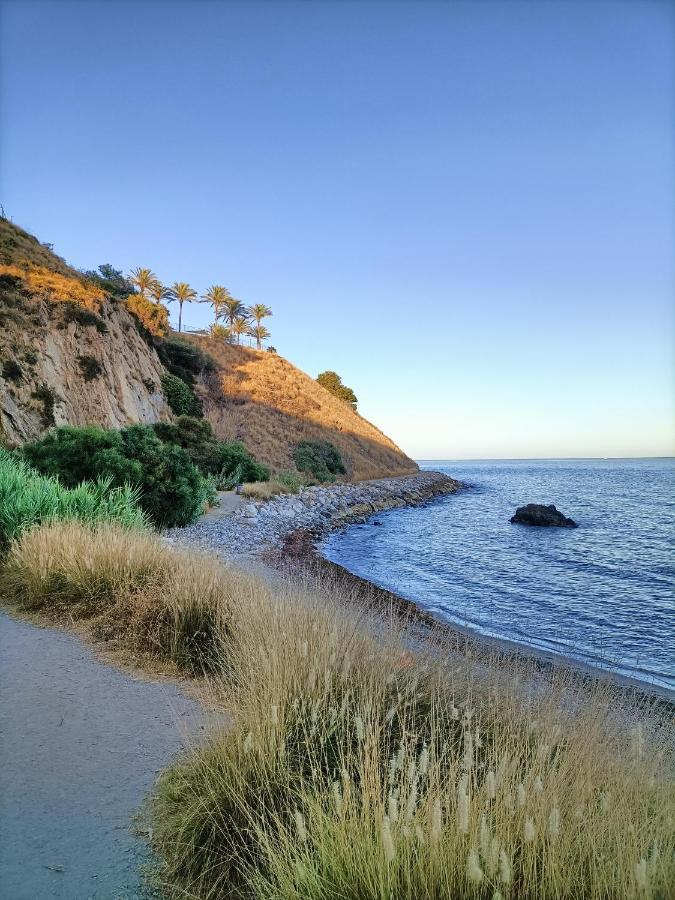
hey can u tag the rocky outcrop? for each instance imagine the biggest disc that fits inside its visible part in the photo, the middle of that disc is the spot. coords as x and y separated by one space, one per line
542 516
95 369
263 525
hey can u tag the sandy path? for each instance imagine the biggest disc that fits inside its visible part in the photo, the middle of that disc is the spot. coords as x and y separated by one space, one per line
80 746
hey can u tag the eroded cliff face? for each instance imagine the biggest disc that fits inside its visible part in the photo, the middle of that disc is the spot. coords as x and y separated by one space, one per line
62 364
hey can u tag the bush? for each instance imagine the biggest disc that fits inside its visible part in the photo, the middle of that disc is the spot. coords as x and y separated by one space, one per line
172 490
265 490
294 481
28 498
282 483
180 396
110 280
90 367
48 398
235 457
332 382
230 464
11 370
153 318
183 359
155 599
196 437
71 312
321 459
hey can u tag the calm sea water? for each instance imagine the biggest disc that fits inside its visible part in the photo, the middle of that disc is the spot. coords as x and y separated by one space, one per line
603 593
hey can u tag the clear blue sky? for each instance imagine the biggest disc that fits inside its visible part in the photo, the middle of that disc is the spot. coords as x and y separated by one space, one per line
466 209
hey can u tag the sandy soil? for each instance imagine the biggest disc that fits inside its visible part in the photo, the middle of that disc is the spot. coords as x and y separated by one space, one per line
81 744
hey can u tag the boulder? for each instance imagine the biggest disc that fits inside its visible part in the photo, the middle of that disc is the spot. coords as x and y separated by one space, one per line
545 516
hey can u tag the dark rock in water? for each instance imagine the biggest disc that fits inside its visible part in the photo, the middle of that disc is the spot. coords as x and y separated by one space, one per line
546 516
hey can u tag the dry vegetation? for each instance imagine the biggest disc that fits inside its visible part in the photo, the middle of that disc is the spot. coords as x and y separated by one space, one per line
359 769
129 585
19 247
261 399
366 760
56 288
265 490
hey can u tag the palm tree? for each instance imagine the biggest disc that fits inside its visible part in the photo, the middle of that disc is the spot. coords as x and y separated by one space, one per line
143 279
258 312
183 293
233 309
239 326
158 292
220 333
259 332
218 296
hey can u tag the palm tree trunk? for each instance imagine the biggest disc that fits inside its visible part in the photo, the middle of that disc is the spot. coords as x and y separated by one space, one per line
180 314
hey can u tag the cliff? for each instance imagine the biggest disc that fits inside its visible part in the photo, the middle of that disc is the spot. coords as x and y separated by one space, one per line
71 354
68 353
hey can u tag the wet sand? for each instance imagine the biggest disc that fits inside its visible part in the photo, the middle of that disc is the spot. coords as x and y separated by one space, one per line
81 744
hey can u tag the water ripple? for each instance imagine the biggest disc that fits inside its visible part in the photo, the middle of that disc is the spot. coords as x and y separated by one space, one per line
603 593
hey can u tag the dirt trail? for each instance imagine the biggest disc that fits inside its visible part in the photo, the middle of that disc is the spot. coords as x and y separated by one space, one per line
80 747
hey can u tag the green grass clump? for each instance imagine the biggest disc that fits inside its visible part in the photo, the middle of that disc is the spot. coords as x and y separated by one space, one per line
27 499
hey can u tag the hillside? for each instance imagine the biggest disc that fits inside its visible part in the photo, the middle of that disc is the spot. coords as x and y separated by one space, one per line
72 354
263 400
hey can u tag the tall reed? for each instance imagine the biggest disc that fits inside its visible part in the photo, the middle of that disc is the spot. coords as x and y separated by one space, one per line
417 768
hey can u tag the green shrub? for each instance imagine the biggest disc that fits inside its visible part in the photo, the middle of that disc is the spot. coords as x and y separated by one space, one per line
321 459
110 280
48 398
90 367
183 359
332 382
236 456
180 396
28 498
294 481
172 490
11 370
197 438
231 464
72 312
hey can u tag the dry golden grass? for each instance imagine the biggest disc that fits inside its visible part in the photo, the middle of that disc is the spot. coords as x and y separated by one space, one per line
367 762
57 288
259 398
132 585
19 247
265 490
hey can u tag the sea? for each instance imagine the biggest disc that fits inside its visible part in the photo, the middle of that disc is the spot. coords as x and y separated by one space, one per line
602 594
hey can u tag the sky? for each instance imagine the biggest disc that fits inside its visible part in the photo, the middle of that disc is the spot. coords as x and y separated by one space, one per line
467 209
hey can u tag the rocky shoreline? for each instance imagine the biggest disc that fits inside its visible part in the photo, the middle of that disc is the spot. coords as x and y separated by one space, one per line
263 526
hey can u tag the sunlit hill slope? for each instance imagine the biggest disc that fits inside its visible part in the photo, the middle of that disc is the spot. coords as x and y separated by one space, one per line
72 354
